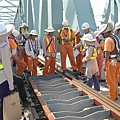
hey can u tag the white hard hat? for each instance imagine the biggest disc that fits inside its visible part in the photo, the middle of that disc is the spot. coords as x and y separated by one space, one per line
106 28
49 29
15 33
117 26
24 25
85 26
65 24
33 32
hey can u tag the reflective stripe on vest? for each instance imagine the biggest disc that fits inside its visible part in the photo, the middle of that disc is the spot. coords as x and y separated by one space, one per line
1 67
52 46
68 35
98 51
94 55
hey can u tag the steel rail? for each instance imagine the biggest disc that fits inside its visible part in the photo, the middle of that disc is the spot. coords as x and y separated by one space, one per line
98 98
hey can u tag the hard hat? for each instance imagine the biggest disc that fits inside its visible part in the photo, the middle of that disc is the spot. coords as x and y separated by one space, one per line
49 29
85 26
117 26
33 32
15 33
65 24
24 25
106 28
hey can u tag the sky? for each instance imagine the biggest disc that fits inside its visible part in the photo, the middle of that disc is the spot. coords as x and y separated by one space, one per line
98 8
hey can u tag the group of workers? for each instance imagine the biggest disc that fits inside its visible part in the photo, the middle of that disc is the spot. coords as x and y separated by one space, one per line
97 50
20 50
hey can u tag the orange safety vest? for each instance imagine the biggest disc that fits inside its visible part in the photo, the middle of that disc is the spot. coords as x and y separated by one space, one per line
61 35
52 46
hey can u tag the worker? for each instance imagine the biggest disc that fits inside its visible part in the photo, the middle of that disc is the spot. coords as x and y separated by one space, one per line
6 77
65 36
117 30
91 63
100 55
32 47
22 38
18 81
16 56
86 28
79 57
49 50
111 64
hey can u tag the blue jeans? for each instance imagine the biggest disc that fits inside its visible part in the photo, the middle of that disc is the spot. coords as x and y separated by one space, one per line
94 80
4 91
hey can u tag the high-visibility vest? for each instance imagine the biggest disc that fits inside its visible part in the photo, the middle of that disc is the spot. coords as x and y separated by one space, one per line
1 67
61 35
94 55
52 46
99 49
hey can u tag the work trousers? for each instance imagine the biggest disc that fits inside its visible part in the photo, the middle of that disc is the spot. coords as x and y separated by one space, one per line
32 65
99 59
24 56
21 66
111 79
49 67
67 49
94 80
79 63
4 91
18 81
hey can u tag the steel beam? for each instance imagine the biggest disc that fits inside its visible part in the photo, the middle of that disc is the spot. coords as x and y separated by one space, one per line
10 3
29 15
43 15
84 13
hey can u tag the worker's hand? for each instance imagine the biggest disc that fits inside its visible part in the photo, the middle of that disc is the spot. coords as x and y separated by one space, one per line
83 52
104 66
66 39
76 46
113 62
83 60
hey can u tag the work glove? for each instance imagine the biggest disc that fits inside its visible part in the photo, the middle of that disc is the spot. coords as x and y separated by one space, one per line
113 62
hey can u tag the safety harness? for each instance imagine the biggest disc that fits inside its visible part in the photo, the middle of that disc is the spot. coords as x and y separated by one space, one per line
116 52
50 44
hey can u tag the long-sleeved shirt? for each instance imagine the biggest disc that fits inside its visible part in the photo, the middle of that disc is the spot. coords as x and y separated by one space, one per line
20 38
6 73
31 46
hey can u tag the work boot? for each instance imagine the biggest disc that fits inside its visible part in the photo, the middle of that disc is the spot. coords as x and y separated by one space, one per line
63 71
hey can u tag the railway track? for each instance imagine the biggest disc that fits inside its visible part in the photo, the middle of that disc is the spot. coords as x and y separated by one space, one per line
62 97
